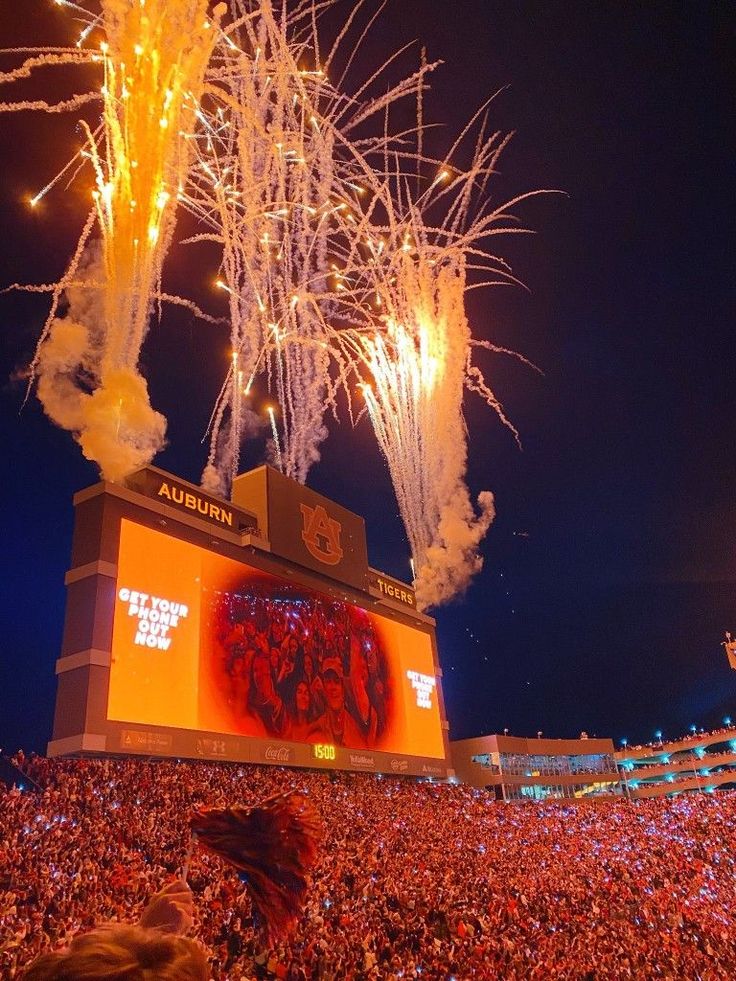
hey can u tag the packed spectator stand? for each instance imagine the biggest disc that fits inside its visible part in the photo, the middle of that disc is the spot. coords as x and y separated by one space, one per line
696 761
416 880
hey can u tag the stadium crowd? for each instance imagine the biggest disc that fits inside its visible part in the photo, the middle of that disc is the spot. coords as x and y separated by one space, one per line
415 880
694 736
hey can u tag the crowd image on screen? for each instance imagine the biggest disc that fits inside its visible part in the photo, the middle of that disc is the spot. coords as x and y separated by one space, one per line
414 879
300 667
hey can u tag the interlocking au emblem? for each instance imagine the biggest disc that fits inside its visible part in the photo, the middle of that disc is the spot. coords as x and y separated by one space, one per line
321 534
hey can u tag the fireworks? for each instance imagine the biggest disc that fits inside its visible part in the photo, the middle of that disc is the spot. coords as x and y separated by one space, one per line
412 349
263 167
278 181
152 59
346 252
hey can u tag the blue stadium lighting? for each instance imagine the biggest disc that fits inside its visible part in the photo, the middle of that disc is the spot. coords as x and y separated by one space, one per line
732 744
624 741
727 720
658 735
700 752
693 728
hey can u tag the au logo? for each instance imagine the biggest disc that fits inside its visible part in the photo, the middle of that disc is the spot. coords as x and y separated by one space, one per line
321 534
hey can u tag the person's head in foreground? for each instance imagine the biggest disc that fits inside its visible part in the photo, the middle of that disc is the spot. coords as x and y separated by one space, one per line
123 953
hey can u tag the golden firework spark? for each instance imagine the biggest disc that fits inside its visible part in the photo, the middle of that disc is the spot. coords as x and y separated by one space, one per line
152 58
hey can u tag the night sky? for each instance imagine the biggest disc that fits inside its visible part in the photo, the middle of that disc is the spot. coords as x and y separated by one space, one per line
610 572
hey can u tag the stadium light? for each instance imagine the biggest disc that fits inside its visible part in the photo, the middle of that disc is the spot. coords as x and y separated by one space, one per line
727 720
624 741
658 735
693 728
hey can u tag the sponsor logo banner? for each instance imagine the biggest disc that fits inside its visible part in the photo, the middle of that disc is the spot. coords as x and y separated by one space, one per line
363 760
211 747
435 771
151 742
399 766
277 754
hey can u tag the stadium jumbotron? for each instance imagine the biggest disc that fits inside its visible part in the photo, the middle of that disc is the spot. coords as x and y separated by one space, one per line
251 631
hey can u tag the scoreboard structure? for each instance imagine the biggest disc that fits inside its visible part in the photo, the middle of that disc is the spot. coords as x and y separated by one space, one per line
250 630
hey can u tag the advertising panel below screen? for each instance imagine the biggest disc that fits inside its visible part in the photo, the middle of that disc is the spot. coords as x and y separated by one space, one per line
206 643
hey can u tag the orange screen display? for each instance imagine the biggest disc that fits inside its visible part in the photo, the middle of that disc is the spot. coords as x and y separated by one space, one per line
205 643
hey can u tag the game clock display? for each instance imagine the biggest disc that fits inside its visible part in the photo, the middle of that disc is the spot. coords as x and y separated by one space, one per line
324 751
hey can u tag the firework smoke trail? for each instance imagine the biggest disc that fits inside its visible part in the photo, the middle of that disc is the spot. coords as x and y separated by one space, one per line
417 369
277 178
153 59
262 166
414 368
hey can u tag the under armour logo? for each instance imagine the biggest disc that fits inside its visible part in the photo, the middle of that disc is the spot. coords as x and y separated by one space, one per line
321 534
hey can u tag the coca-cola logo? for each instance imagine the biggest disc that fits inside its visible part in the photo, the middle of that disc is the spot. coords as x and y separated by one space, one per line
399 766
277 754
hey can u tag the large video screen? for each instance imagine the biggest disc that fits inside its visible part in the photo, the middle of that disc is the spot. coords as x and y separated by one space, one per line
205 643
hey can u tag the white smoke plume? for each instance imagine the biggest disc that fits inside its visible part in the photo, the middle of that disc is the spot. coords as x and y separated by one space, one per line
121 432
212 481
115 425
106 409
452 559
217 474
59 365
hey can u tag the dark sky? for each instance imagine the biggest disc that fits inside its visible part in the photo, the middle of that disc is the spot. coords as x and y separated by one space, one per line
609 615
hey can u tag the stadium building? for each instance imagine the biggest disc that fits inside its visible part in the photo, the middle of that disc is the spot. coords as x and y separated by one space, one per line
516 768
250 630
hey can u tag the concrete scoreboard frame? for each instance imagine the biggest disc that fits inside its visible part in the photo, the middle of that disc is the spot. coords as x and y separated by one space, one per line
258 528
